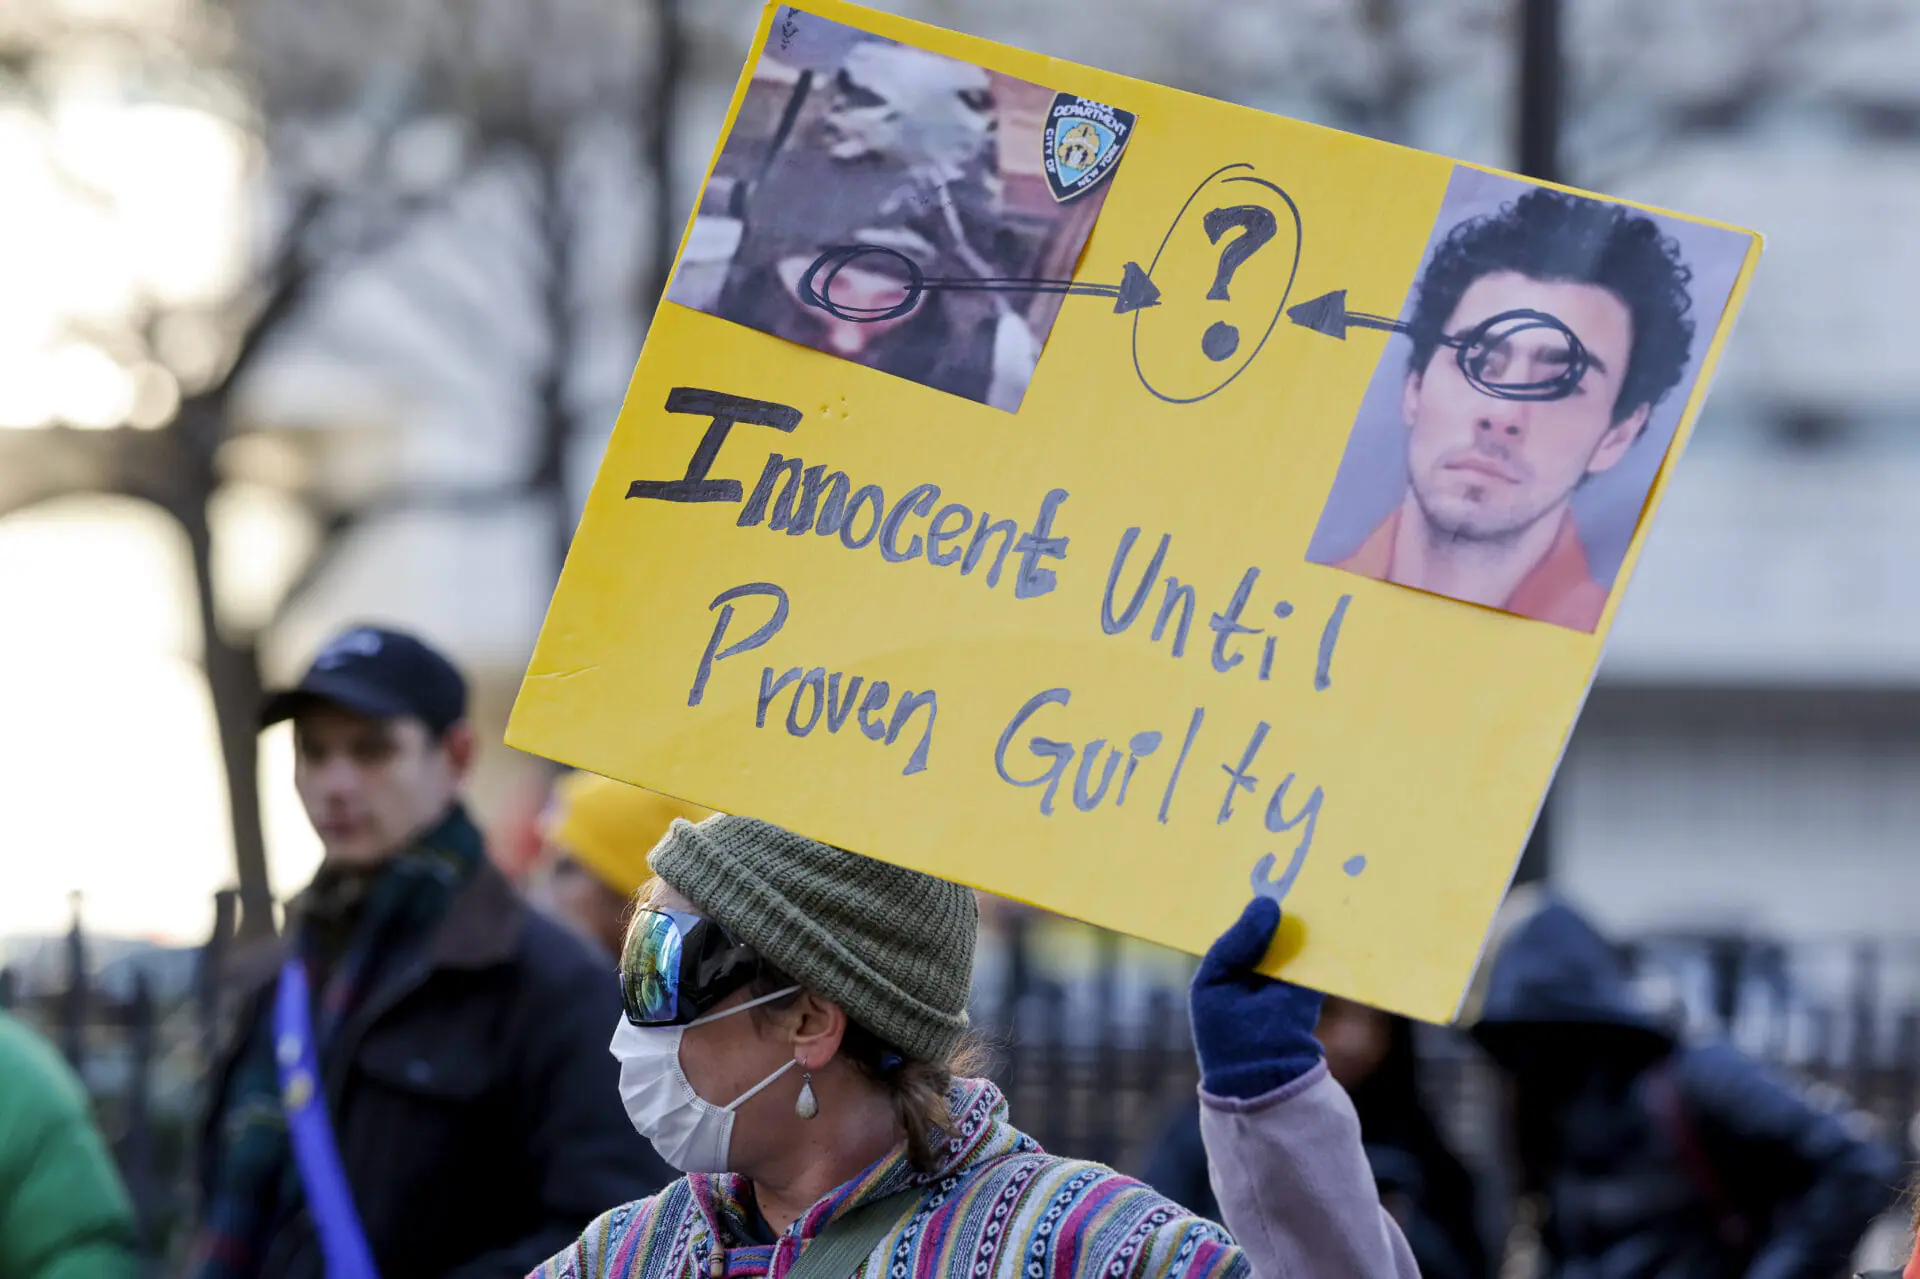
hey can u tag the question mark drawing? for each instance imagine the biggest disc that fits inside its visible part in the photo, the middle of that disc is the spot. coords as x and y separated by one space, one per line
1257 226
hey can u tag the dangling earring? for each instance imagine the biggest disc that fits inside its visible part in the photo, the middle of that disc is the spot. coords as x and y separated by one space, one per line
808 1106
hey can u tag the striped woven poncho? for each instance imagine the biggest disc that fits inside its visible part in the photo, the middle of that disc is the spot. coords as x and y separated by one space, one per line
998 1208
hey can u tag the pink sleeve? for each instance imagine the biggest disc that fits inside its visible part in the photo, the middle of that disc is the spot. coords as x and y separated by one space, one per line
1294 1185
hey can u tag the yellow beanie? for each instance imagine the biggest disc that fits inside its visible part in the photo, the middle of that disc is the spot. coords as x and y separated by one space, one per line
610 827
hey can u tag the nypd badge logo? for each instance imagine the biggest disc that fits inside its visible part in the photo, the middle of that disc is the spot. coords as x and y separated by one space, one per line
1083 141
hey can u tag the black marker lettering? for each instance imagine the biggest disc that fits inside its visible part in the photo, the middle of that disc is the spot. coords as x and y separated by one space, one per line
1033 581
751 642
903 715
756 508
919 500
727 412
1277 819
1323 673
988 526
1283 611
938 534
1042 747
1111 624
1179 765
1142 745
868 493
770 689
797 517
839 708
1087 800
833 508
1239 778
877 694
815 682
1186 598
1227 625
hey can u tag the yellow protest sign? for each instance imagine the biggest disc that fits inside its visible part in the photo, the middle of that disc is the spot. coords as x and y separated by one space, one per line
1124 501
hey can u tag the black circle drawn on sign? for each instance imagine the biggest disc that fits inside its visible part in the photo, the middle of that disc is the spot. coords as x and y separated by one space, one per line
1476 350
1278 311
816 286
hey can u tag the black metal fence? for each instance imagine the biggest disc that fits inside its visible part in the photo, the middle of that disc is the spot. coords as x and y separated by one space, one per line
1087 1033
140 1043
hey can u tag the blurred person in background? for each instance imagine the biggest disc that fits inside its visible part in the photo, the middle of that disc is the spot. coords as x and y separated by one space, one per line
1422 1183
63 1212
595 837
418 1083
794 1040
1650 1157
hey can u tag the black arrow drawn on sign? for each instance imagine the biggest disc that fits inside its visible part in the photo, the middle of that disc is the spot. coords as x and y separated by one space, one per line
1328 314
1481 351
1134 292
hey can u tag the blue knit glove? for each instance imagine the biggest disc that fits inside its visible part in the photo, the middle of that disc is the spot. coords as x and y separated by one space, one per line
1253 1034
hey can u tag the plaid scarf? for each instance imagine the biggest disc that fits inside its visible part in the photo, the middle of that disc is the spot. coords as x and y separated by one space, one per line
350 927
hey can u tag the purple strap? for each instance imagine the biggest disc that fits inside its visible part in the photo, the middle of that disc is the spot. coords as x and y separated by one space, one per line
336 1221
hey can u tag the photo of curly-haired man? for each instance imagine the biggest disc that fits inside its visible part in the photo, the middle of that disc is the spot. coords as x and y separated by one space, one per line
1514 428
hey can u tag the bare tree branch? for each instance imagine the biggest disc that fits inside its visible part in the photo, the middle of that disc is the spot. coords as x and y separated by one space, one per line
326 88
341 524
287 282
669 70
45 465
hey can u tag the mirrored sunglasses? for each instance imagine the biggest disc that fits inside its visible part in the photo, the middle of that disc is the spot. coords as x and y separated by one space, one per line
677 966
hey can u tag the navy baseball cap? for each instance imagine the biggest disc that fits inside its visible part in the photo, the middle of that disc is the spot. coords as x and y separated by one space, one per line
388 674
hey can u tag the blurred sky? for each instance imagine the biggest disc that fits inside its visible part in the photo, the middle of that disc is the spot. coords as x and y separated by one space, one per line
108 757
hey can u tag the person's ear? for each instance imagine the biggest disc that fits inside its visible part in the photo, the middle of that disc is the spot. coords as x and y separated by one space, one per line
462 745
1410 398
1617 440
817 1028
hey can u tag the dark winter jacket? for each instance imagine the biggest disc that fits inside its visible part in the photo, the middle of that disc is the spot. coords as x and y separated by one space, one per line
476 1105
1657 1159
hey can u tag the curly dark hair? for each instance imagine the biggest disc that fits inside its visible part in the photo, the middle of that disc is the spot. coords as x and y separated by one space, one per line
1548 235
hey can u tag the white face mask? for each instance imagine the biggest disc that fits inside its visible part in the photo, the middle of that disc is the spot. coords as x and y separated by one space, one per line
688 1131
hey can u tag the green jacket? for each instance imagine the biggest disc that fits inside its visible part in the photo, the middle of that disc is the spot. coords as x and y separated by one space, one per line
63 1211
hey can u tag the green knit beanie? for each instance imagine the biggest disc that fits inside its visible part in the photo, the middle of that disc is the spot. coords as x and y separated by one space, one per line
892 947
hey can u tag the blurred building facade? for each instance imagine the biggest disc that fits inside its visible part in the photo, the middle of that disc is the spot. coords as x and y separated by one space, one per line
1748 768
